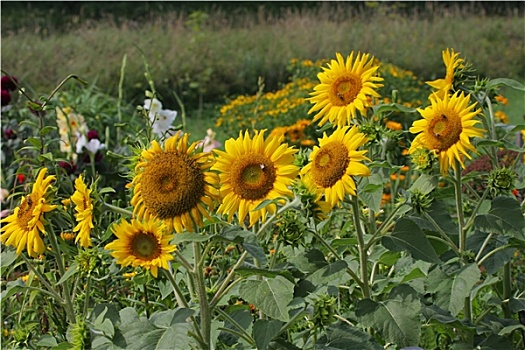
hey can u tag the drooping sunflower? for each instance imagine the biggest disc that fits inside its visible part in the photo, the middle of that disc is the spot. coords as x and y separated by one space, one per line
446 129
344 89
251 171
142 243
174 184
333 163
452 62
27 221
84 212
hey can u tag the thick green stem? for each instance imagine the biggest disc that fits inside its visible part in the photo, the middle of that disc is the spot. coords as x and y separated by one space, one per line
446 238
43 280
176 290
220 292
118 209
385 226
86 295
363 254
204 304
241 333
507 290
68 303
459 209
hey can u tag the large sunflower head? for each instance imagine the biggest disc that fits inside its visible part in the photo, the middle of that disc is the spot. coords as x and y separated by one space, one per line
251 171
344 89
335 161
174 184
142 243
446 128
452 63
27 221
84 212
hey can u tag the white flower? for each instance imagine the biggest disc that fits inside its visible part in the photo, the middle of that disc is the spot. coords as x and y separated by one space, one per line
152 105
161 122
93 146
161 119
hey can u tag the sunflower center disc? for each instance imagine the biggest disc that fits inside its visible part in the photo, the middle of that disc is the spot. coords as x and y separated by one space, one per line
172 184
346 89
444 131
25 213
253 176
330 164
145 246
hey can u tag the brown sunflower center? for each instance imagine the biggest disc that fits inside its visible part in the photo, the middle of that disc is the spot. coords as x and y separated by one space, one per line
253 176
144 245
25 213
444 131
172 184
345 90
330 164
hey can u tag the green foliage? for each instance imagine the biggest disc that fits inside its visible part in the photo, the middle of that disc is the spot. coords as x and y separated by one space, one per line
415 258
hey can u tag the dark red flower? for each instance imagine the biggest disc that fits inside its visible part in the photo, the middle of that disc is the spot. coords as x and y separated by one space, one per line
6 97
7 83
10 134
70 168
92 134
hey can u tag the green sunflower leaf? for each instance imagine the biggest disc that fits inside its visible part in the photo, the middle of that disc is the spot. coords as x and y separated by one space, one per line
396 318
450 286
271 296
408 236
507 82
264 331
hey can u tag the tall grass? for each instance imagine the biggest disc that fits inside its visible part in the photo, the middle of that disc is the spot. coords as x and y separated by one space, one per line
206 57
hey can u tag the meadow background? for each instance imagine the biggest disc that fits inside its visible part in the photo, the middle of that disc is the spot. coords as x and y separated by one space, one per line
208 52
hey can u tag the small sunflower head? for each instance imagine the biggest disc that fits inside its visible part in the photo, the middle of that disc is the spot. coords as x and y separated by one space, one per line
311 199
291 228
420 201
501 181
423 158
324 310
88 260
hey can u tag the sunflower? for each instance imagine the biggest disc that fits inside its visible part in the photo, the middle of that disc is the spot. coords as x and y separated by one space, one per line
84 207
333 163
344 89
144 244
251 171
452 61
23 226
446 129
174 184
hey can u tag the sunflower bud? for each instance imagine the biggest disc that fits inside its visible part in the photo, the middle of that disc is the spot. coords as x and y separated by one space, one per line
87 260
422 158
420 201
324 310
79 333
501 181
291 228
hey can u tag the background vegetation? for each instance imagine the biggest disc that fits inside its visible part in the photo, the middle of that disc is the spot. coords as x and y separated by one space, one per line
209 51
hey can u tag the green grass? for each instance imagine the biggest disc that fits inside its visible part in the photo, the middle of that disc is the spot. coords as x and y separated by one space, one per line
208 57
